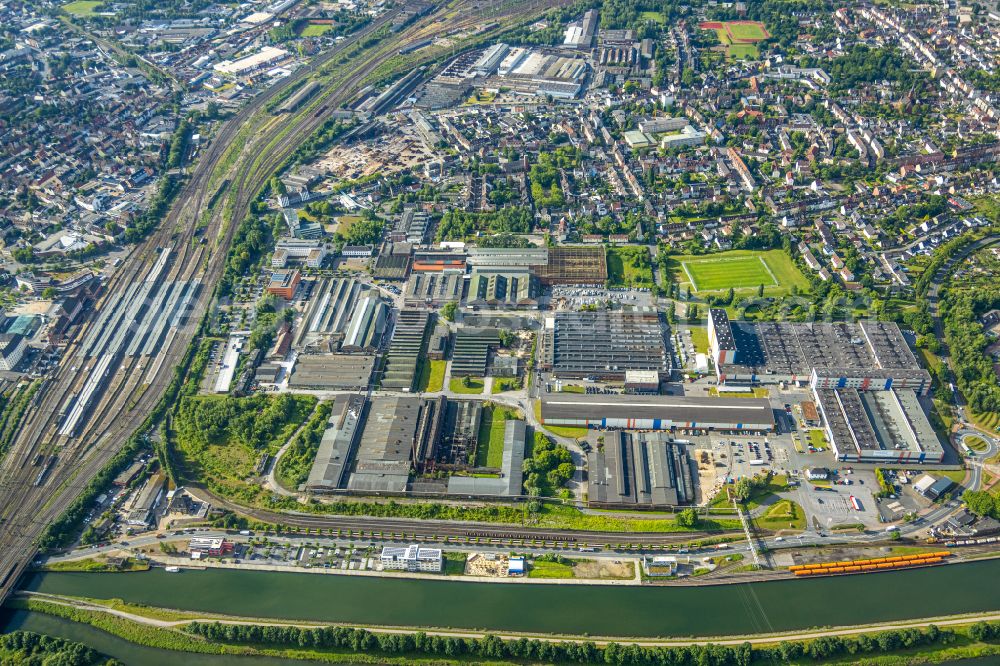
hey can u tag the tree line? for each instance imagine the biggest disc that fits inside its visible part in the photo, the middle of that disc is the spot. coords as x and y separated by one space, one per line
30 649
493 647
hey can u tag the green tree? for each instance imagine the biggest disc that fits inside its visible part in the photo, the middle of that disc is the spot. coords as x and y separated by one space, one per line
743 489
687 518
981 503
448 310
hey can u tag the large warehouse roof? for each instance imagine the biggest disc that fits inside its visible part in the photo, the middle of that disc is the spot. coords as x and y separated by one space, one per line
678 410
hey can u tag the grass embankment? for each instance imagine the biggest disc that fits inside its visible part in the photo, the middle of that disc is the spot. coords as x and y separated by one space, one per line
93 565
430 377
956 475
544 569
564 517
977 444
783 515
177 640
990 421
954 645
473 386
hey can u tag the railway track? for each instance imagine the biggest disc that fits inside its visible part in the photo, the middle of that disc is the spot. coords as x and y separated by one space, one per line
27 507
439 529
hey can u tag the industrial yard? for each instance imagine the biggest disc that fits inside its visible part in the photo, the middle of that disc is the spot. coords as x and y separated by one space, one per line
519 295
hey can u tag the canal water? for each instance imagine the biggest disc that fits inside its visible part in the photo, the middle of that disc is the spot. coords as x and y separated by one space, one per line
562 609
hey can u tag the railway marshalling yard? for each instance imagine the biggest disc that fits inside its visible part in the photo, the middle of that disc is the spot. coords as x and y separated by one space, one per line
114 374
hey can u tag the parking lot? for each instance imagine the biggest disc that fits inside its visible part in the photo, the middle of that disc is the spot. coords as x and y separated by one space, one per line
307 556
573 298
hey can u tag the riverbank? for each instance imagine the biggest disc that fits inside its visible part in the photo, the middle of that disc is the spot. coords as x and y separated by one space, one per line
925 641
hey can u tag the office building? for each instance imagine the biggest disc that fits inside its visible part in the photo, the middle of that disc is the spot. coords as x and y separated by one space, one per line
411 558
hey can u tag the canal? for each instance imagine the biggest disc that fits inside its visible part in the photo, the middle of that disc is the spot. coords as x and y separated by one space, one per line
561 609
124 651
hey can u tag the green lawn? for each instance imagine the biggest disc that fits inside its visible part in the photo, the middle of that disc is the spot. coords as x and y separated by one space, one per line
345 222
82 7
778 484
757 392
570 518
743 52
656 17
743 270
454 564
629 266
956 475
501 384
550 570
817 438
316 30
489 449
475 387
699 338
431 377
572 388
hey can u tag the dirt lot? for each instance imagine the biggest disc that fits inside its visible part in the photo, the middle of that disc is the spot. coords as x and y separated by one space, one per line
707 474
386 155
604 569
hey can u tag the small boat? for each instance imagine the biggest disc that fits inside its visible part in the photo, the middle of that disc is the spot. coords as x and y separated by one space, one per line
172 569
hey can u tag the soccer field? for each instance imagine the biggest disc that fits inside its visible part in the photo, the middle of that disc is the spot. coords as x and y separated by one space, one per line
723 273
741 270
746 31
82 7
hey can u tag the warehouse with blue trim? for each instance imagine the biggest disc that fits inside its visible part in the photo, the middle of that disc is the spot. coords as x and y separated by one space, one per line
658 412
